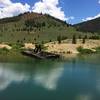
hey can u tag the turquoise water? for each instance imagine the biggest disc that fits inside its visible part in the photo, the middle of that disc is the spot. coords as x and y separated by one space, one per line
70 79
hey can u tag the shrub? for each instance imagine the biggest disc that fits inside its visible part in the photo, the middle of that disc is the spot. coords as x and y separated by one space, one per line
84 51
17 46
4 50
95 37
97 49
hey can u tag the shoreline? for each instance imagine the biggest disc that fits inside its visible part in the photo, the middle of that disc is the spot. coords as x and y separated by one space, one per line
66 49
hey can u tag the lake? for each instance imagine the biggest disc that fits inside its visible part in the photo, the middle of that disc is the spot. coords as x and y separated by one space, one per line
69 79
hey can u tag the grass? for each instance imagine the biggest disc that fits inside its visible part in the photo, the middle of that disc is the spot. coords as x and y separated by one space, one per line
4 51
97 49
11 56
84 51
14 30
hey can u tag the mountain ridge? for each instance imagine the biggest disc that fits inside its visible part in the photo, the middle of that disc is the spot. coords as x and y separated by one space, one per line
89 26
34 27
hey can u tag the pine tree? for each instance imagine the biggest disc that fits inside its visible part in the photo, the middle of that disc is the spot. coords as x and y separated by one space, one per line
59 39
74 41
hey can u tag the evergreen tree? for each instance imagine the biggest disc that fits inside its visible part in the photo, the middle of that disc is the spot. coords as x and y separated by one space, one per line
74 41
84 40
59 39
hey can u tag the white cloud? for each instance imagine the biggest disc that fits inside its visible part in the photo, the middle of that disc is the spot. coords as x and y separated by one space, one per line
50 7
7 76
93 17
90 18
48 80
99 1
9 9
4 3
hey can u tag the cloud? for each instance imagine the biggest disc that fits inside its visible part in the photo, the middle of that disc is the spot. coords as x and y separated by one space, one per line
91 18
50 7
9 9
99 1
48 80
7 76
4 3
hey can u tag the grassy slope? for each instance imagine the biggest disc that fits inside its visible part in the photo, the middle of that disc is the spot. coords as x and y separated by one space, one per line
14 29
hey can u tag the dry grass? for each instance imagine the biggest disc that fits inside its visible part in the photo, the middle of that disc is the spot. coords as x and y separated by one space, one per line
66 47
5 46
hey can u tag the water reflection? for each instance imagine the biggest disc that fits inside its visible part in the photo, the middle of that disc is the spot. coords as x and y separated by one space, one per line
76 79
84 97
45 76
50 79
7 76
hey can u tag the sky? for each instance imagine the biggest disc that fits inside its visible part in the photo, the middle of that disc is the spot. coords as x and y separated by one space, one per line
72 11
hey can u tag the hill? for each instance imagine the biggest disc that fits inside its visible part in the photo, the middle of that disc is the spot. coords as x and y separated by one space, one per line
34 27
89 26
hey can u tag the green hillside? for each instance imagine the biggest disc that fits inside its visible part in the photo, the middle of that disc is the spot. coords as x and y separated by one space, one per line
33 27
89 26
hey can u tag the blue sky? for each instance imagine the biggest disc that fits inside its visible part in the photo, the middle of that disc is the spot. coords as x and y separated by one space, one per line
81 9
74 11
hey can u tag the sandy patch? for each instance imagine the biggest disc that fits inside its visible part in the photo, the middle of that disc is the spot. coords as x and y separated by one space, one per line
5 46
69 48
66 47
29 46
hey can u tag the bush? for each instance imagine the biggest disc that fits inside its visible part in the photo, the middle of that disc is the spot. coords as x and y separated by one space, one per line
84 51
17 46
95 37
4 50
97 49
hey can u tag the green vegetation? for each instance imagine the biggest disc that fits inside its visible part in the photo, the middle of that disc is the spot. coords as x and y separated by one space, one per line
35 28
59 39
94 37
89 26
74 40
40 29
16 46
97 50
12 56
84 39
4 51
84 51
